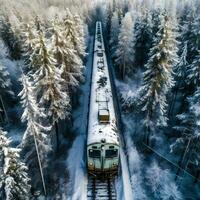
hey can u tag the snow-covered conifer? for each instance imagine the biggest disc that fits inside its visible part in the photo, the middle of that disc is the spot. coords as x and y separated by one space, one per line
5 88
189 132
74 32
109 13
193 71
114 32
190 34
14 180
48 83
80 45
156 20
35 142
28 45
180 68
180 71
158 77
71 63
124 52
5 82
10 38
143 39
161 183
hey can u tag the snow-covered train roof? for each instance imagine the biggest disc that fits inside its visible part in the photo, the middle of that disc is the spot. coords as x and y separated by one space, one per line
101 99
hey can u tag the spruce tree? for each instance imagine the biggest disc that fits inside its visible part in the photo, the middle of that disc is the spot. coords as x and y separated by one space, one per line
109 13
48 84
114 32
190 35
72 66
143 39
35 142
74 32
5 89
14 180
28 39
187 143
180 71
124 52
158 77
193 71
10 38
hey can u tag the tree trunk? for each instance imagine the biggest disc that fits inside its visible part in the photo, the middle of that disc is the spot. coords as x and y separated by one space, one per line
57 136
147 135
197 176
171 108
181 161
1 117
123 70
40 165
4 109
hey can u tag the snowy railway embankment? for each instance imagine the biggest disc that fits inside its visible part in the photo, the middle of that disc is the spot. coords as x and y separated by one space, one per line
123 185
77 187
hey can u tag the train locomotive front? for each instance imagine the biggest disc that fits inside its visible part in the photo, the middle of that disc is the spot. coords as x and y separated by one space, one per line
103 138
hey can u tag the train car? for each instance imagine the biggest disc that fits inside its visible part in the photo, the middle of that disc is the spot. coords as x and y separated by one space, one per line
103 137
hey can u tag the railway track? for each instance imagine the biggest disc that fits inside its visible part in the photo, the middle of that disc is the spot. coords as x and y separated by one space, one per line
101 189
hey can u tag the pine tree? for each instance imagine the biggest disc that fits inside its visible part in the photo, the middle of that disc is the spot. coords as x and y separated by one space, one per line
10 38
114 32
48 84
156 20
143 39
109 14
72 66
5 88
28 39
14 180
180 76
35 142
158 77
161 183
5 82
187 144
190 35
80 43
124 52
193 71
74 32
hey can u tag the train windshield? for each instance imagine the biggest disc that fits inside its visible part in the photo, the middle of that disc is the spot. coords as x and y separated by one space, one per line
111 153
94 153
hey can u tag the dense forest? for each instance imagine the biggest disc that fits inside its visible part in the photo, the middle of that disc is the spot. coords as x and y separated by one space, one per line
153 48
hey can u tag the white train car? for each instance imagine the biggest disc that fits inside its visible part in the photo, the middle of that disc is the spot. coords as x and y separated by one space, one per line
103 138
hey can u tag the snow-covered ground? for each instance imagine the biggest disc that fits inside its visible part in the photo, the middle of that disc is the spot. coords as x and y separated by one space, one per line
77 186
150 180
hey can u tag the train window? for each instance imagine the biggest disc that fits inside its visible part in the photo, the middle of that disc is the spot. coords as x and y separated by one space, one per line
111 147
111 153
94 147
94 153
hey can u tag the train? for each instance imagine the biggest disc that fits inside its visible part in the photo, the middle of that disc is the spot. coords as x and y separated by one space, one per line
103 144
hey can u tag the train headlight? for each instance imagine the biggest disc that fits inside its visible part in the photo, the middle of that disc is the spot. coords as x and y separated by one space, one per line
91 164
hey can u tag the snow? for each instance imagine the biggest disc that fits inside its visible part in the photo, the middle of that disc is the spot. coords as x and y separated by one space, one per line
100 96
127 190
77 171
77 187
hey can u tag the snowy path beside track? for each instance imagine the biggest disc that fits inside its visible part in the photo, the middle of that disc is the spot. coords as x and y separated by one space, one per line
77 187
123 184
